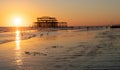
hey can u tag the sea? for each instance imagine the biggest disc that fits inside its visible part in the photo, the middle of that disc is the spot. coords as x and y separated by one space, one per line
60 49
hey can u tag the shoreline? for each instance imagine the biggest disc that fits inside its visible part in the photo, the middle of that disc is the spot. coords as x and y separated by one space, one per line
24 35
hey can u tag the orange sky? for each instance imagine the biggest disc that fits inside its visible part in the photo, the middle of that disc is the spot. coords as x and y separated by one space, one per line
75 12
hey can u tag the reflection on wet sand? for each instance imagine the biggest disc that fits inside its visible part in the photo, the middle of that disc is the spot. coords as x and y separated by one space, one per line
18 54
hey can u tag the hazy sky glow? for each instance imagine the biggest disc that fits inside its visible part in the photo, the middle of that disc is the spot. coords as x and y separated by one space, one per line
75 12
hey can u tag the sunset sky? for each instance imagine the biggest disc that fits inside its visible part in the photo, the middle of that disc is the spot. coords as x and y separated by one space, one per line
75 12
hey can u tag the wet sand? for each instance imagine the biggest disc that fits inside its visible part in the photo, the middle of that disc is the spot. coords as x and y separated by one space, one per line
64 50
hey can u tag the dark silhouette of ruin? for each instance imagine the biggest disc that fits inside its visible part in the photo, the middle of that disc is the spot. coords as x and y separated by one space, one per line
49 22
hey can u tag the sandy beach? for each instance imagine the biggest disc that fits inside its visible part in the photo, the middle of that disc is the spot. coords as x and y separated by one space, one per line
61 50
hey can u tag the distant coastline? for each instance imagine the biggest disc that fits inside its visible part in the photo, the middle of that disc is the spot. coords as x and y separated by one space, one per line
115 26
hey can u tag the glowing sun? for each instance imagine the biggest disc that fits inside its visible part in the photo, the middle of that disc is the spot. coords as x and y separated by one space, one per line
17 21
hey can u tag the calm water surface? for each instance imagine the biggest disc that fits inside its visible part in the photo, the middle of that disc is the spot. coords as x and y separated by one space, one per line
62 50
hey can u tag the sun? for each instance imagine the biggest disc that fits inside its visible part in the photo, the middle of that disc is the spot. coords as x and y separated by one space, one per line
17 21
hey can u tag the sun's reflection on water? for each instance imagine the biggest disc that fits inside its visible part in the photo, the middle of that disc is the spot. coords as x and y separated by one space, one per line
18 55
17 40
